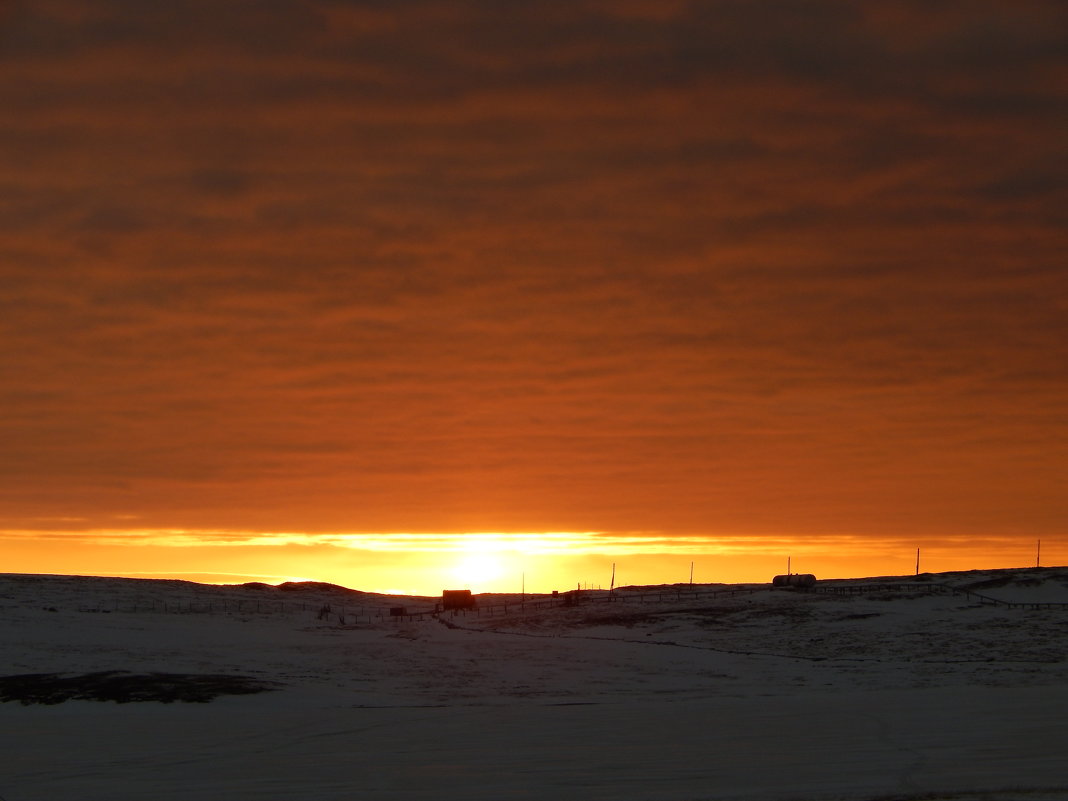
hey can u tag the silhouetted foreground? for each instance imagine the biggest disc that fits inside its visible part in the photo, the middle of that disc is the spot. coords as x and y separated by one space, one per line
944 687
122 687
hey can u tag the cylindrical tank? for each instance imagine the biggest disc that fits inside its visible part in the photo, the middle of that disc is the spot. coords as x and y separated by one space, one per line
794 580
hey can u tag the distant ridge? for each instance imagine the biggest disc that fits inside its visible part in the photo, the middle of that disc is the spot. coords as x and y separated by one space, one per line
316 586
974 579
1002 574
301 586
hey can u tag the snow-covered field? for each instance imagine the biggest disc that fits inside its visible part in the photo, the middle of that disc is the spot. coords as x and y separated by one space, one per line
731 693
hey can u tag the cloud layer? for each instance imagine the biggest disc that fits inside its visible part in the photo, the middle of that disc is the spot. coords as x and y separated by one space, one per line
696 268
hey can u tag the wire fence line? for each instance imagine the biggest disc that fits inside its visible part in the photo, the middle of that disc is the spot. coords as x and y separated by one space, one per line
399 613
586 597
935 588
344 614
325 610
322 611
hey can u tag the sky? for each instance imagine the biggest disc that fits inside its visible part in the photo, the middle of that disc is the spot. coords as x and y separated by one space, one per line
366 291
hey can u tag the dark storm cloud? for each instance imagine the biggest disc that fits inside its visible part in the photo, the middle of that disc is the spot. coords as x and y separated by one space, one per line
576 265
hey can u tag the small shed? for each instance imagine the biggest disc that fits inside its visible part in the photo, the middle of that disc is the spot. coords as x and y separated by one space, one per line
802 580
457 599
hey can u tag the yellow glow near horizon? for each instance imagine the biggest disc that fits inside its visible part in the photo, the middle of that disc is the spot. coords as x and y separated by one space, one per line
532 543
477 570
425 563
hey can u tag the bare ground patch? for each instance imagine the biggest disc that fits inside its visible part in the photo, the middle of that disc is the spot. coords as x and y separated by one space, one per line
122 687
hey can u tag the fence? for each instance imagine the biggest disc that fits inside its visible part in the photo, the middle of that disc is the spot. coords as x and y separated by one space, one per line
935 588
353 615
344 614
867 589
585 597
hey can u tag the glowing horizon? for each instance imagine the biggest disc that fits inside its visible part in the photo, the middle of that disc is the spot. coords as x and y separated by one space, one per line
424 563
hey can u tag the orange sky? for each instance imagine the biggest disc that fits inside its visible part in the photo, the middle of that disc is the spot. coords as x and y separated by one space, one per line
792 272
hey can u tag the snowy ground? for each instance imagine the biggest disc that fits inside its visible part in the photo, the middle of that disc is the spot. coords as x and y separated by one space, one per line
771 695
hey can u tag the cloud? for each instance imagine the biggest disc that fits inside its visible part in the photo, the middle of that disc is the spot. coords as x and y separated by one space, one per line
533 544
460 266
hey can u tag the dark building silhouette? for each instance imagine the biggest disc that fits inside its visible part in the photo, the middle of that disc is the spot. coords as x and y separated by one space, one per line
794 580
457 599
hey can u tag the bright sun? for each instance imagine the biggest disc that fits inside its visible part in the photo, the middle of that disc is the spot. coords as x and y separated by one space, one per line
476 570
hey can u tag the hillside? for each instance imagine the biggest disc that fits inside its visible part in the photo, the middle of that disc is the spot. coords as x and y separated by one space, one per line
907 687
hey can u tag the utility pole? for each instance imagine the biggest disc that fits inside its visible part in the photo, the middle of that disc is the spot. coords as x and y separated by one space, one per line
1038 555
917 561
691 574
612 586
788 565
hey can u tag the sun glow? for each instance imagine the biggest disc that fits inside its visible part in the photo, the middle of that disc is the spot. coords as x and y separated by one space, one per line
483 561
425 563
478 571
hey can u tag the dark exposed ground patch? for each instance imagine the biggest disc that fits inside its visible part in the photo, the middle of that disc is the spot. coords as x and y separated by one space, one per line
123 687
